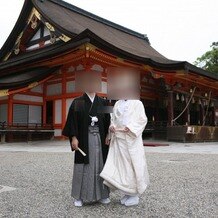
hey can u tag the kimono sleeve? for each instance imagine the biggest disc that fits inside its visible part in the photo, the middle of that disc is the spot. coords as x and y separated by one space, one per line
112 118
71 125
107 118
138 121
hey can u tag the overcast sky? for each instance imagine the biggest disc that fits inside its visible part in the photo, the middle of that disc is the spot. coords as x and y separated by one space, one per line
179 29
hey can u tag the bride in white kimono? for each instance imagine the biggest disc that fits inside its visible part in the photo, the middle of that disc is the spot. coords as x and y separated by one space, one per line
126 167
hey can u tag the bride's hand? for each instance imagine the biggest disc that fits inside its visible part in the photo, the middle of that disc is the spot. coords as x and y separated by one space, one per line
112 129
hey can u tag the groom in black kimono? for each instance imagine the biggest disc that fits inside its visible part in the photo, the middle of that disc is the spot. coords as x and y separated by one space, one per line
87 127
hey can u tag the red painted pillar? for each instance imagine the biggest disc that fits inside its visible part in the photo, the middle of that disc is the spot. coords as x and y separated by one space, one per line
10 109
64 90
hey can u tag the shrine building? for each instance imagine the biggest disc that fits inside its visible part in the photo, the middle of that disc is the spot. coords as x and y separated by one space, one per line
52 40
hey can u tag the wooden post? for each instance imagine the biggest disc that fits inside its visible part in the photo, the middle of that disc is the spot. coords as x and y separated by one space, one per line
213 116
170 108
201 113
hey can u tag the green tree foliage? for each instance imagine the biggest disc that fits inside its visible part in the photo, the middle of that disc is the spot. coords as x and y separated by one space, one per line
209 60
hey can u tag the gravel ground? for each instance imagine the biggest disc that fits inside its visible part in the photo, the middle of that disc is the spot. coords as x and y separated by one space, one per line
182 185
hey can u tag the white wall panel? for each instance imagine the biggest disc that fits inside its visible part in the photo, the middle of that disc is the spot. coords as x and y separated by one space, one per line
20 113
46 31
70 86
36 36
54 89
3 112
68 103
38 89
58 110
103 87
28 98
35 114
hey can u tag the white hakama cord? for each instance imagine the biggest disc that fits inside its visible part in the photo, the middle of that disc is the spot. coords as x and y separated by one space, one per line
126 167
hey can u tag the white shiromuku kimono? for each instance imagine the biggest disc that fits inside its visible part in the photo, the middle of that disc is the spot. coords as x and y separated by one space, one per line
126 167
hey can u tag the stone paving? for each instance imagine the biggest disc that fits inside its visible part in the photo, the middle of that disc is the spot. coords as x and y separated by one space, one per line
35 181
63 146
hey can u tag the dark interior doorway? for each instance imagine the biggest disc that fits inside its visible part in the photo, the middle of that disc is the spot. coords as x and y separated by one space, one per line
49 112
196 114
162 114
150 112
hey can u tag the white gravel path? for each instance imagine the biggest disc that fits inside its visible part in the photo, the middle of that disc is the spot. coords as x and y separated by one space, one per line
35 181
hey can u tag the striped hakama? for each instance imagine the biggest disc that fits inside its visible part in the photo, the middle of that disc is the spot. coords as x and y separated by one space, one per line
87 184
